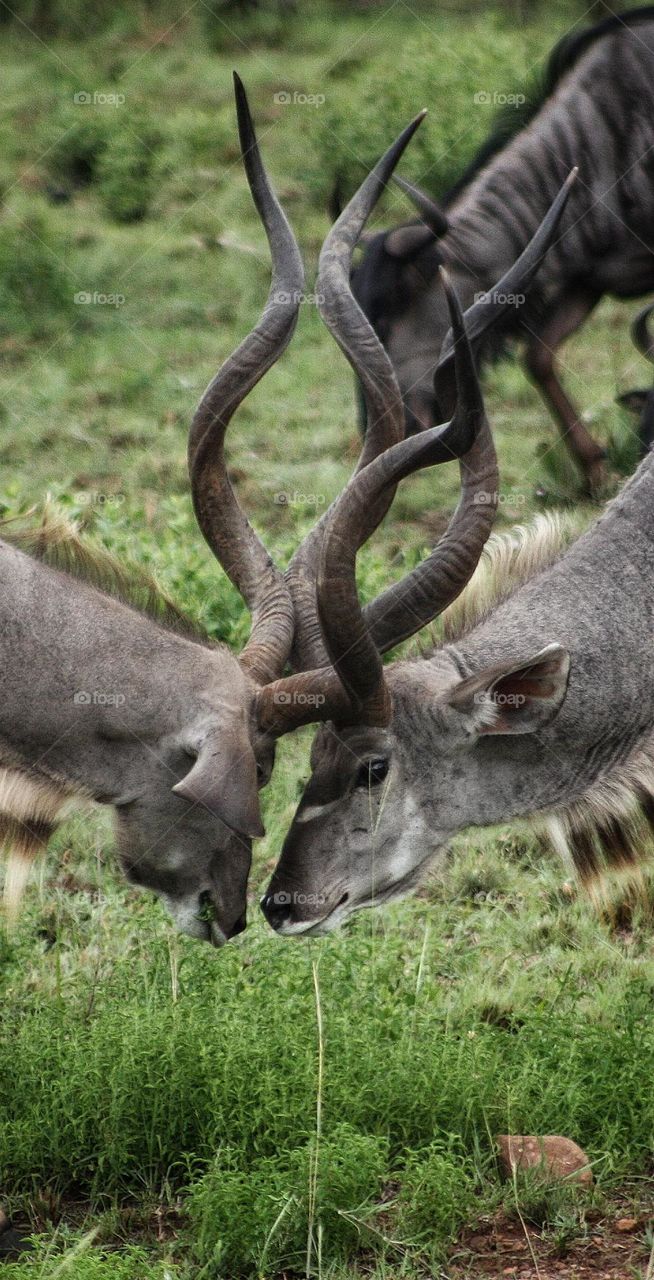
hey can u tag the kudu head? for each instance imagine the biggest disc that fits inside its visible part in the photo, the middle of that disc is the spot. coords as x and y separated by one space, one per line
361 834
641 401
191 842
202 869
396 285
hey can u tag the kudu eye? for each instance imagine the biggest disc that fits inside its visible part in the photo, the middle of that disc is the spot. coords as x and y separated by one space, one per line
372 773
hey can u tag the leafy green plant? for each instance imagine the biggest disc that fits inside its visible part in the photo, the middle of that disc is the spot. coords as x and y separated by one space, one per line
36 292
261 1217
350 141
437 1194
127 171
74 139
231 24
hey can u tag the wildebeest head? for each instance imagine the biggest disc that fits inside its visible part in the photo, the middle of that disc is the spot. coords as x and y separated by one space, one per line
396 287
640 401
394 284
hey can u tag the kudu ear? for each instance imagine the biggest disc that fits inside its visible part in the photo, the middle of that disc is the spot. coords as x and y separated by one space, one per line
224 777
514 697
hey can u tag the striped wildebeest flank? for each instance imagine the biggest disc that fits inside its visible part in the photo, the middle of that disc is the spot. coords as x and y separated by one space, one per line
104 702
596 110
540 700
640 401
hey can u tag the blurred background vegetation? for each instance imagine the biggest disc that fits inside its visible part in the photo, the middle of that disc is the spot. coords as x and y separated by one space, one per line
153 1092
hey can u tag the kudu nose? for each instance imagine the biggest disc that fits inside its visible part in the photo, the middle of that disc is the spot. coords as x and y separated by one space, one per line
276 908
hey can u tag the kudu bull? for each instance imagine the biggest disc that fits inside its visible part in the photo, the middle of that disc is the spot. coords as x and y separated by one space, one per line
597 112
104 703
539 704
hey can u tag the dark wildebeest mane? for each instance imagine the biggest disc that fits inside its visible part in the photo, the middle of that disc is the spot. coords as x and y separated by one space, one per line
510 120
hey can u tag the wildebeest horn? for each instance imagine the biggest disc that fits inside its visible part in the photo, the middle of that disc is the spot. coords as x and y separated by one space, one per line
335 201
223 523
425 592
384 408
641 337
487 310
429 211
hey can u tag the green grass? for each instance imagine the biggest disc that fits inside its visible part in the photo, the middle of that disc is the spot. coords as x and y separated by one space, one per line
160 1101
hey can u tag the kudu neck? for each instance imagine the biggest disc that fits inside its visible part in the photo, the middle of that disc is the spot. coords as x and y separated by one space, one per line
595 602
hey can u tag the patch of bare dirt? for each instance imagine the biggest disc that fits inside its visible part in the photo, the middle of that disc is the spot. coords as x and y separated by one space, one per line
611 1248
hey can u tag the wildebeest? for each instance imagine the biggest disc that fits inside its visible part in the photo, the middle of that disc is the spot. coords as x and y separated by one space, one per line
595 111
641 401
540 702
102 702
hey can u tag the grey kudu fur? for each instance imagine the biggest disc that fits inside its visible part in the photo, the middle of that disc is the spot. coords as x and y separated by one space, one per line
597 112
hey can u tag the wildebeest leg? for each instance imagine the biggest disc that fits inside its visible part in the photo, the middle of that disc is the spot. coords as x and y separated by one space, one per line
12 1242
541 365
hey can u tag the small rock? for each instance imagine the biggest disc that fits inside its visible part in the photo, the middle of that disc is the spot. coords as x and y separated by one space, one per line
477 1243
559 1157
626 1224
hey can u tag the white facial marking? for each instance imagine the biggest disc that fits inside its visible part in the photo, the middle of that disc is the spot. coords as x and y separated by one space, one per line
409 849
316 927
290 928
186 916
315 811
